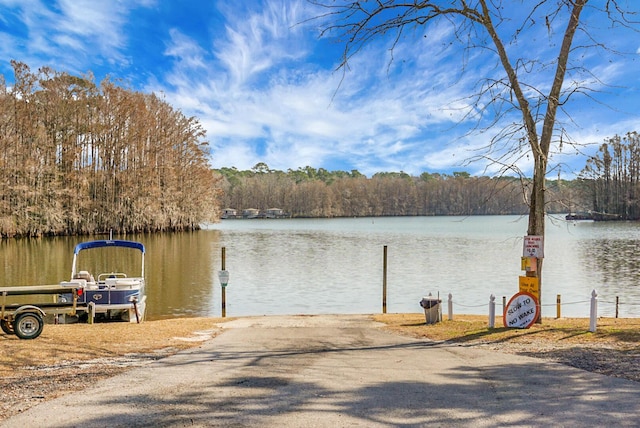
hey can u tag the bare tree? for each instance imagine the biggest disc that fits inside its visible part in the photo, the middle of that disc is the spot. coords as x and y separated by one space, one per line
490 27
613 174
77 158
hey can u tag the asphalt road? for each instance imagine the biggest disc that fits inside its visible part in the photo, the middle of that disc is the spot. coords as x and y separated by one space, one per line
341 371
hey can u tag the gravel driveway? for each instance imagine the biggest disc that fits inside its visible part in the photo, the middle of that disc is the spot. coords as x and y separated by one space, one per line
339 371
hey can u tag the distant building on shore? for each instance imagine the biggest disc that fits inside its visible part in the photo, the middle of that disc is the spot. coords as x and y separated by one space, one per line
229 213
250 213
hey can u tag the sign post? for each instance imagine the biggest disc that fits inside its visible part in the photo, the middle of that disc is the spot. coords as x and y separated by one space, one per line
223 276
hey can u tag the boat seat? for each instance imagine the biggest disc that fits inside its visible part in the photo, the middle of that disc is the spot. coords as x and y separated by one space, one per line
83 274
122 283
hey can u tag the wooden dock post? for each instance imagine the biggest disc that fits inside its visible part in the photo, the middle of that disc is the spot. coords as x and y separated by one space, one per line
384 280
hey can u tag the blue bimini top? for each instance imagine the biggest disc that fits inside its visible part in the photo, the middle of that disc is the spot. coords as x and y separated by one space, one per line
108 243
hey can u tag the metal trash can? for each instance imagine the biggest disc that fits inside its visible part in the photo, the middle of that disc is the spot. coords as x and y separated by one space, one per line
431 307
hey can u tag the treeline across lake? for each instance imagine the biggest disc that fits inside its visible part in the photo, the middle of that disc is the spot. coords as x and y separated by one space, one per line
82 158
613 176
310 192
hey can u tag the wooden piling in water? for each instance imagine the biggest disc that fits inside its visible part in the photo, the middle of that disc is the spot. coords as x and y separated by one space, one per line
384 280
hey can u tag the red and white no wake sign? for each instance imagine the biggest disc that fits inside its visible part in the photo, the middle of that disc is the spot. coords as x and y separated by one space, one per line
521 311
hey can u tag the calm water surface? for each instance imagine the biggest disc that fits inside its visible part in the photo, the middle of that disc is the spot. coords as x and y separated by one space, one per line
318 266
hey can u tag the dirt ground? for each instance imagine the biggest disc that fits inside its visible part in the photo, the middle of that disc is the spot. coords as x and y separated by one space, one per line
68 358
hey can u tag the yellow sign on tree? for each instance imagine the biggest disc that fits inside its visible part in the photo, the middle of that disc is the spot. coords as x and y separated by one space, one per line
531 285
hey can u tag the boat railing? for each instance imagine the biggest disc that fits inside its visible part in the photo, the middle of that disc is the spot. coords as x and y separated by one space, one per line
104 276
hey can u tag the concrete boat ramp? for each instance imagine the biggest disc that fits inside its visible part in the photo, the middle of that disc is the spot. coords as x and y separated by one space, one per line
341 371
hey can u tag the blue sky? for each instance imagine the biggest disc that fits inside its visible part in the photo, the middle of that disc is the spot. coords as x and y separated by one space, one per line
265 86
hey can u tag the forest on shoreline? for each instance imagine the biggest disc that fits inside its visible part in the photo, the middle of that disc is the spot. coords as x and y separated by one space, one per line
80 158
608 188
310 192
613 174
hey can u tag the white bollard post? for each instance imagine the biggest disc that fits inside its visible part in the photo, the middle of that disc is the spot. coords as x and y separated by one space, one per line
450 307
92 313
594 311
492 311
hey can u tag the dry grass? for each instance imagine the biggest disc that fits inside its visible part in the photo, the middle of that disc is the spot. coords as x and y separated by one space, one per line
610 333
81 342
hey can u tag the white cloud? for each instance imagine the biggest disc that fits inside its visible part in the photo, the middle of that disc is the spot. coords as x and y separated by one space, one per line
265 89
256 42
187 52
71 35
262 99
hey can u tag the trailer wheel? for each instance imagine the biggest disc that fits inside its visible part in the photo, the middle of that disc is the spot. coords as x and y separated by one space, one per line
6 326
28 325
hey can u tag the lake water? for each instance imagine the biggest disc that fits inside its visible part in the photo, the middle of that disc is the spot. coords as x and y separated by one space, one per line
322 266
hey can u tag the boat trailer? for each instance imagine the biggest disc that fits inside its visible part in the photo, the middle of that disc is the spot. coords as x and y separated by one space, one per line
26 320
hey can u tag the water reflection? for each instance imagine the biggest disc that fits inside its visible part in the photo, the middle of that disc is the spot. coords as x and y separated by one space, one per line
614 260
610 254
180 271
32 261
